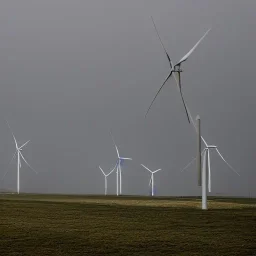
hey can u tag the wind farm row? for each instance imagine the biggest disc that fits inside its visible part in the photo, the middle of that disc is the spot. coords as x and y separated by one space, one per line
175 73
118 169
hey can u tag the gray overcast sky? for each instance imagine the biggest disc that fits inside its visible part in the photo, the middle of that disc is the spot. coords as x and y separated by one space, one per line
71 70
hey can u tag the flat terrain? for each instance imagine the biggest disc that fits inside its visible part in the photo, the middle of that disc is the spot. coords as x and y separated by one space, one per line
95 225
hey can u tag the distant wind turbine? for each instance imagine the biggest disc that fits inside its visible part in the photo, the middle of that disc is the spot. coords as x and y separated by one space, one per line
19 156
152 178
106 176
119 169
175 69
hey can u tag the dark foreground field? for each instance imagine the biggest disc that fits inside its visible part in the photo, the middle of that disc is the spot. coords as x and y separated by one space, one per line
77 225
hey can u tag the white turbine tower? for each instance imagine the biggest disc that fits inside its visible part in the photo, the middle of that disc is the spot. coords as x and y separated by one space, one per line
119 169
106 176
19 156
152 178
175 69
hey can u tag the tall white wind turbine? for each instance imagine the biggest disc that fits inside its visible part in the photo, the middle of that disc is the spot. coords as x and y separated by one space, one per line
106 176
152 178
206 151
175 69
19 156
119 169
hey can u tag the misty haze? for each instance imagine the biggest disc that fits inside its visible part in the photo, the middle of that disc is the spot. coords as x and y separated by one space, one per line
71 71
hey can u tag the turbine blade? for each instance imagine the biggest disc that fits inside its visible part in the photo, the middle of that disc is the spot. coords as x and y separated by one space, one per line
209 172
146 167
157 170
227 162
117 152
184 104
181 94
24 144
159 91
176 80
102 171
184 58
16 144
125 158
9 164
188 111
114 144
188 164
192 161
27 163
112 170
167 55
193 122
204 141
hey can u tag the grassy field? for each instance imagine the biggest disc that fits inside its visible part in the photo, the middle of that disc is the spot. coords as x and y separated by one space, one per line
95 225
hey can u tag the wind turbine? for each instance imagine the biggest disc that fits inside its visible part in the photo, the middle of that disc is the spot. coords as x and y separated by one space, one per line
175 68
206 151
19 156
106 175
152 178
119 169
207 161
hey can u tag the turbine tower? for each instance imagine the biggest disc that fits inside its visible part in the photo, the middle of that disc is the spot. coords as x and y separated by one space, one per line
119 169
152 178
175 69
106 176
19 156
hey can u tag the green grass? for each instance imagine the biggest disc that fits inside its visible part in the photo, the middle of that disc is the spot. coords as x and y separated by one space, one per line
95 225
